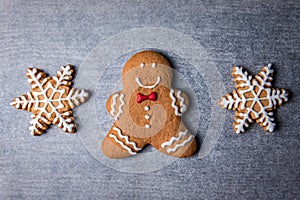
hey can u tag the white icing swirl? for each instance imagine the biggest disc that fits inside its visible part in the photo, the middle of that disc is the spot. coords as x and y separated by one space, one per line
120 111
173 103
126 139
189 139
173 139
122 144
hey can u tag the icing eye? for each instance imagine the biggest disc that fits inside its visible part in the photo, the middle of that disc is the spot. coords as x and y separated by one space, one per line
153 65
142 65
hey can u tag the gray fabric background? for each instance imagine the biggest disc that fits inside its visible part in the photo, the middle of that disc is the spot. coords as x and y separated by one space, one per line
57 165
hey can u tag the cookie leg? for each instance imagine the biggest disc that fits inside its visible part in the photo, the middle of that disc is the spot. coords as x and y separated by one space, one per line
118 144
178 144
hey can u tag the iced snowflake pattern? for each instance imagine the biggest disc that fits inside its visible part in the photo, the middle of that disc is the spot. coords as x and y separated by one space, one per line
254 99
51 100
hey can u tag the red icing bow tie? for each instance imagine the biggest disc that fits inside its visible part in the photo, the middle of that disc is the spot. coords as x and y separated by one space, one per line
140 97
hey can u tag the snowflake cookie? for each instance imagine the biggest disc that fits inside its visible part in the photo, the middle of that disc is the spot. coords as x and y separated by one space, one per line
254 99
51 100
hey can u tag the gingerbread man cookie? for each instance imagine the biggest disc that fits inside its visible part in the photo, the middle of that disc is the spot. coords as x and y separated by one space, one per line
148 111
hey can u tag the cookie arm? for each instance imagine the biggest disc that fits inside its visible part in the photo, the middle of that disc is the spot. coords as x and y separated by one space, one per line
114 104
179 100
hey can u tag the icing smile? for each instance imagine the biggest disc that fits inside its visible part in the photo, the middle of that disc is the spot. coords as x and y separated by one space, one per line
137 79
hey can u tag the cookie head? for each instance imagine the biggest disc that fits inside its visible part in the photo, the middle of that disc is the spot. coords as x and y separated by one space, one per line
147 69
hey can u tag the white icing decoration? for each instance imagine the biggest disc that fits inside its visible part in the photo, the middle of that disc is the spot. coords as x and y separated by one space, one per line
153 65
147 108
122 144
147 116
74 98
173 103
142 65
120 111
173 139
189 139
147 126
126 139
247 84
182 100
114 103
137 79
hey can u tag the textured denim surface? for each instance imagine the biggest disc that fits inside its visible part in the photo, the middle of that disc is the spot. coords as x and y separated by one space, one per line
57 165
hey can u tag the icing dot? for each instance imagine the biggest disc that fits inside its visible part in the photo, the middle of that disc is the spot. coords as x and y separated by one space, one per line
147 108
153 65
147 116
147 126
142 65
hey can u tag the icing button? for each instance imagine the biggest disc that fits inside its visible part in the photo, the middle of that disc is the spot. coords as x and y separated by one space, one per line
147 116
147 108
147 126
